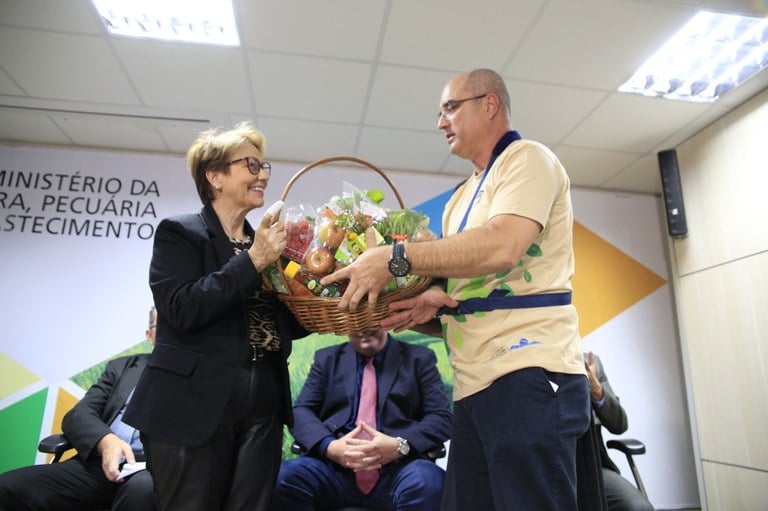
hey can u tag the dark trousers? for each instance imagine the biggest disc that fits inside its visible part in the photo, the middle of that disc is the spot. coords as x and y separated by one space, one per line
514 443
623 495
237 468
307 483
73 485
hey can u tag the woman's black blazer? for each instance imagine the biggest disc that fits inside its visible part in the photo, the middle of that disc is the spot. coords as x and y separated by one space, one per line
200 292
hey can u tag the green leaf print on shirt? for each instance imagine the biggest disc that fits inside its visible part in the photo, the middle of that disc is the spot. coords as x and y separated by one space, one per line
475 289
534 251
505 287
458 340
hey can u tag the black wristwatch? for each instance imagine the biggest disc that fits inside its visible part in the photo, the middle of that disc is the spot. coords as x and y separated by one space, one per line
398 263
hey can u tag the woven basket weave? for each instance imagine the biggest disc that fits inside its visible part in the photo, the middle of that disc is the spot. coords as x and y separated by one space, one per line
321 314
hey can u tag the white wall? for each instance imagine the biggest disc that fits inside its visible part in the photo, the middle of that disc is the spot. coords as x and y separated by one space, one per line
639 350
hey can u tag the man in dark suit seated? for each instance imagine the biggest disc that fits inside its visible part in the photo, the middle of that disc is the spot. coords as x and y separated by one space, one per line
368 413
91 480
620 493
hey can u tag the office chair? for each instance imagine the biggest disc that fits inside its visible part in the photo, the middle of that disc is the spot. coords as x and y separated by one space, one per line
630 447
433 455
56 444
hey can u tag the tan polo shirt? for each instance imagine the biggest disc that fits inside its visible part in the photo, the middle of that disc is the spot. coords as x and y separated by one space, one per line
527 180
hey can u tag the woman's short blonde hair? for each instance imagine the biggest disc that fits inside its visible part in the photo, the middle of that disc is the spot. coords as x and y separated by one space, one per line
214 148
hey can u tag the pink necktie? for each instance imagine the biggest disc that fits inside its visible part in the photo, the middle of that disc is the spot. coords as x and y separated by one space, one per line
366 412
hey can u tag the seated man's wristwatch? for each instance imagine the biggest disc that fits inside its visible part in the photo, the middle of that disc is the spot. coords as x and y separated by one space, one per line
403 447
398 265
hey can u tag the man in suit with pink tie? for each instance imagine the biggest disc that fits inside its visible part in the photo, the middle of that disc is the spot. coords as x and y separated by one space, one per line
368 415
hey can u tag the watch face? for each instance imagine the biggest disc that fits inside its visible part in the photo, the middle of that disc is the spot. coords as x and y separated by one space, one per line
398 264
399 267
403 447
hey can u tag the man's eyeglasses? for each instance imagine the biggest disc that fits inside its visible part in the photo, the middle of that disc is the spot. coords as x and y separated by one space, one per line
254 165
449 108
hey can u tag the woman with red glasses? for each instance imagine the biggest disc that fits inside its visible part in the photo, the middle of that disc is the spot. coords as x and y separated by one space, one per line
213 400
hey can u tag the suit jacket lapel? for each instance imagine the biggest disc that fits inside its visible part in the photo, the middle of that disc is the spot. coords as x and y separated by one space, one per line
348 364
125 385
221 244
392 360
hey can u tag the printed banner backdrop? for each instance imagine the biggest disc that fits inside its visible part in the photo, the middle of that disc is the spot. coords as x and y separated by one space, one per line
76 231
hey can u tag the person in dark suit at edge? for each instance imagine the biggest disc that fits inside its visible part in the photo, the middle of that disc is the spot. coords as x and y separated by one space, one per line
620 494
103 442
379 460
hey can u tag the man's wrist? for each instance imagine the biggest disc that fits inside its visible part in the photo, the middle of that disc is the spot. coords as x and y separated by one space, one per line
599 403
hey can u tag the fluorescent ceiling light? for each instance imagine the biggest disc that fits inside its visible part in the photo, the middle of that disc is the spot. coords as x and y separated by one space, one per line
710 55
198 21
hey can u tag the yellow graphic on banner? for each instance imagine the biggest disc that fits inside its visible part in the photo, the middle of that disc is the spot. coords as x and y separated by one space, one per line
607 281
64 403
15 376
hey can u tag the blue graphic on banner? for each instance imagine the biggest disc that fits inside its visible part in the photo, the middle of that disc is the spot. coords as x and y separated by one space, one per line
433 208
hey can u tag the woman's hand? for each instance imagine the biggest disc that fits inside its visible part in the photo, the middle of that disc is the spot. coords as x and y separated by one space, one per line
268 241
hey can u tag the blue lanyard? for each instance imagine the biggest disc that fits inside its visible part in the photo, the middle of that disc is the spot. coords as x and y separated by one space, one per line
502 144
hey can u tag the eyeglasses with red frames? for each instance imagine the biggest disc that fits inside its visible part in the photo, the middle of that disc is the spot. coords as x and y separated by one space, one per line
254 165
449 108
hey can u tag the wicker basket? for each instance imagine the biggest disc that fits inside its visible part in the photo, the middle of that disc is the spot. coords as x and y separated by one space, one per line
322 315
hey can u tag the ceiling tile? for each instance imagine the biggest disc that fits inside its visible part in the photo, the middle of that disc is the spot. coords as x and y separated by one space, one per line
594 43
68 67
62 15
458 36
346 29
403 150
179 137
547 113
8 87
25 126
182 75
404 97
640 176
309 88
591 167
632 123
306 141
120 133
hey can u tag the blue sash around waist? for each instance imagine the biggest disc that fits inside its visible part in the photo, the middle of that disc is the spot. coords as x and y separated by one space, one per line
498 299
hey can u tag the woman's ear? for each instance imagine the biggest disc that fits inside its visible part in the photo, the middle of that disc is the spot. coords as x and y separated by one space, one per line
213 176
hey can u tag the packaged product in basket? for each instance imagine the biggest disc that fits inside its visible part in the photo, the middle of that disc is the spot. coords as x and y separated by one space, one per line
300 230
303 282
337 232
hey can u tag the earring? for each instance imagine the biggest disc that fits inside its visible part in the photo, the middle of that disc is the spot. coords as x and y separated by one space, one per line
218 188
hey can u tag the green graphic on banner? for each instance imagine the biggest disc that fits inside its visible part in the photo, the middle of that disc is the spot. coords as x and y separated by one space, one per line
20 430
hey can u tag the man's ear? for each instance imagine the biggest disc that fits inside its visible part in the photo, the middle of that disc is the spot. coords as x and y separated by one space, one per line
492 104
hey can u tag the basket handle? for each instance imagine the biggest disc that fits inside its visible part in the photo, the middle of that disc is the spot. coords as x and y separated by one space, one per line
341 158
